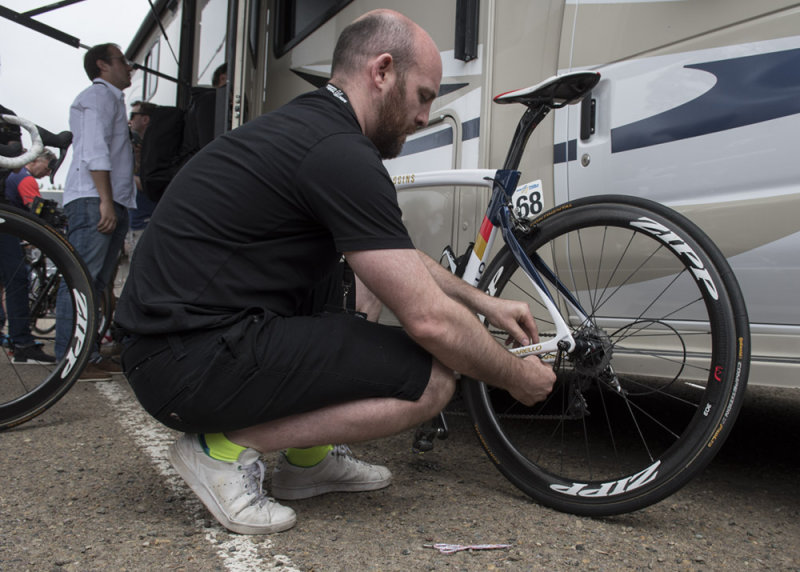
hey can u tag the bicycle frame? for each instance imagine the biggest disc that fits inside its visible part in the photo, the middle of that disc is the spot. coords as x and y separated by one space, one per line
553 93
498 216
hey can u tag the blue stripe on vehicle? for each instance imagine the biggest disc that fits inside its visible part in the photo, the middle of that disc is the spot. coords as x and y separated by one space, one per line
749 90
446 88
427 142
469 129
563 152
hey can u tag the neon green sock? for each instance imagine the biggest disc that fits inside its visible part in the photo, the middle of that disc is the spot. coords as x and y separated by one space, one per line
307 457
218 447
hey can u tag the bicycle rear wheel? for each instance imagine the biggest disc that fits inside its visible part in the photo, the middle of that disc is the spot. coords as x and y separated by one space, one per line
662 364
27 388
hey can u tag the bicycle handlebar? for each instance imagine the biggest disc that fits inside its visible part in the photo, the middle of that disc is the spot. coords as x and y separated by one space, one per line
60 140
36 143
40 138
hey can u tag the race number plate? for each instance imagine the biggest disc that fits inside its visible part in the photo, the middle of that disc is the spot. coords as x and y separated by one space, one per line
527 200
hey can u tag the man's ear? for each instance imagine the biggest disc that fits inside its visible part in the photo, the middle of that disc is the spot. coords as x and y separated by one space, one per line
383 71
102 65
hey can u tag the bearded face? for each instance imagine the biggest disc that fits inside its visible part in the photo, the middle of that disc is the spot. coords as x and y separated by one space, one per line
393 125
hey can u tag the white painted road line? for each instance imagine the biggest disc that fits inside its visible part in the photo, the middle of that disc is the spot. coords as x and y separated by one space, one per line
238 553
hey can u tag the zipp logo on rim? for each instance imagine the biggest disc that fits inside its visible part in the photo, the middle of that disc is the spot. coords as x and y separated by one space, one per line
81 327
623 485
680 247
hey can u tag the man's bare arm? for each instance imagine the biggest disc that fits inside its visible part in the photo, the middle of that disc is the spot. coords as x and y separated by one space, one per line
444 326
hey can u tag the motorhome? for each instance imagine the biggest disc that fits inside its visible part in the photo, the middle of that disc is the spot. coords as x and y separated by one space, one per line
696 108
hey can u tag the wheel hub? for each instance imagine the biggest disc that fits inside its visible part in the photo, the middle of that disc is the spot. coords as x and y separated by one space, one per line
593 351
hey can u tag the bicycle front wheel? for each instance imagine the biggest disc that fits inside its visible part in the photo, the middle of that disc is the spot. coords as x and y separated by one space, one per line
660 367
31 379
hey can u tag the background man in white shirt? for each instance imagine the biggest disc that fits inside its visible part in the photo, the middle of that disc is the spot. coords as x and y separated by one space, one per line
100 187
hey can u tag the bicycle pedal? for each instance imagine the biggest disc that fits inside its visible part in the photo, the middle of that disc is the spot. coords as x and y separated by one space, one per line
422 446
424 437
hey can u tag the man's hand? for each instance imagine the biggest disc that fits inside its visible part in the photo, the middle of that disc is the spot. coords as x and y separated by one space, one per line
108 217
539 382
513 317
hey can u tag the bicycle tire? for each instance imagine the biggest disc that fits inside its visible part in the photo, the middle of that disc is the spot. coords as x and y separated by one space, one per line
44 292
27 390
105 309
647 406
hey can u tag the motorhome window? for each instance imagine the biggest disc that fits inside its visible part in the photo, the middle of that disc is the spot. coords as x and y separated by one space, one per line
151 61
255 25
297 19
210 38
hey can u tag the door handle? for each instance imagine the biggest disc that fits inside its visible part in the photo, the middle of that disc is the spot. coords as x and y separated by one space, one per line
588 116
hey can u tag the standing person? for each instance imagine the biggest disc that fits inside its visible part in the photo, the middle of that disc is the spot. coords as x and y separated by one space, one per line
10 142
22 187
220 75
99 188
138 122
232 347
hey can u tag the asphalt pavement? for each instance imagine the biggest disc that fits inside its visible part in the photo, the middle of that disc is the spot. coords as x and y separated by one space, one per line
86 486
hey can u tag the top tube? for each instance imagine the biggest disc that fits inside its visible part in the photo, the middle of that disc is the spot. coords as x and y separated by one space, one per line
447 178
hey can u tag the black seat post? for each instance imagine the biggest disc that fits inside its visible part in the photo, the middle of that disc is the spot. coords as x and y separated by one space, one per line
527 123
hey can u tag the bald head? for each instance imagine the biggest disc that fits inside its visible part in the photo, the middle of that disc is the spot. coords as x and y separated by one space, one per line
378 32
390 69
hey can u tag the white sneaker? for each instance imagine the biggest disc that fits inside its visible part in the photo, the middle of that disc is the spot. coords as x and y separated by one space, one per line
232 492
339 471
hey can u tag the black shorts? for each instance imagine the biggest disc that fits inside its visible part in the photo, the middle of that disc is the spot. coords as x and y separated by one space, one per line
267 367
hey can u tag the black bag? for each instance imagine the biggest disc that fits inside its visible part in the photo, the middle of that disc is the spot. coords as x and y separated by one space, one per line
9 133
173 136
161 150
200 120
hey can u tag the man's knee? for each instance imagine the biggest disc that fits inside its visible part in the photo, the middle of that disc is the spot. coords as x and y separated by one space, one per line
440 389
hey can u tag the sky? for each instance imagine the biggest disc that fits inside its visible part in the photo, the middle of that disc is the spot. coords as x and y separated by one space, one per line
39 76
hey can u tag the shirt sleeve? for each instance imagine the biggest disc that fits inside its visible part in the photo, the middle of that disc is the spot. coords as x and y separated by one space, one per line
97 122
352 195
28 190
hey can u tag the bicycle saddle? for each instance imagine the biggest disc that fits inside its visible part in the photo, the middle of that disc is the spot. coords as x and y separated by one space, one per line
555 92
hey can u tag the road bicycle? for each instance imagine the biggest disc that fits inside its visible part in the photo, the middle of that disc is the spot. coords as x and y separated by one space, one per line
640 316
45 280
41 260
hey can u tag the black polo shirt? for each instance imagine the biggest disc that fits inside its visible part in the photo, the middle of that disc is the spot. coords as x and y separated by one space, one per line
260 216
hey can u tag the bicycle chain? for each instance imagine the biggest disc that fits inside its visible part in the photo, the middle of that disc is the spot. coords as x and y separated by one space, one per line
530 416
